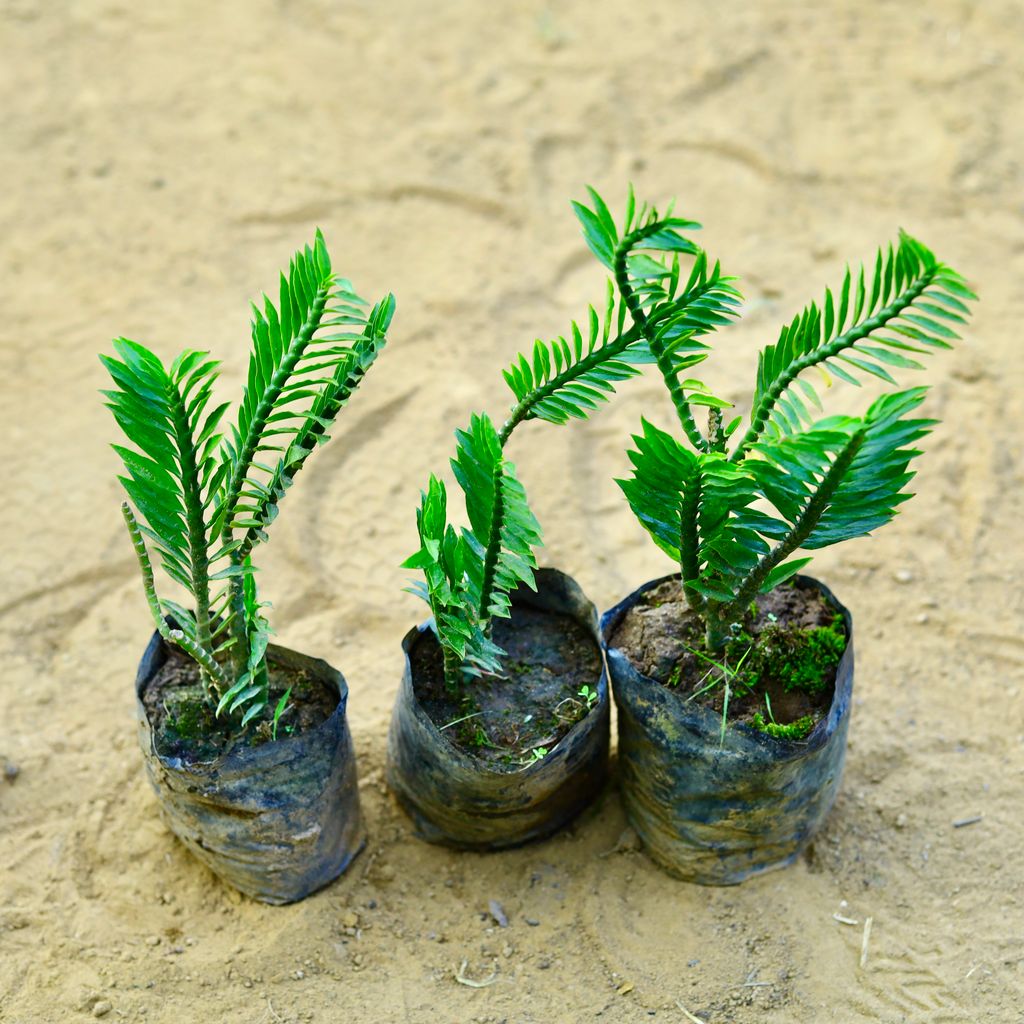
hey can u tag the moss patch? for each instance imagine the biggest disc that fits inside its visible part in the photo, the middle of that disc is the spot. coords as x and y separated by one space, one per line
780 664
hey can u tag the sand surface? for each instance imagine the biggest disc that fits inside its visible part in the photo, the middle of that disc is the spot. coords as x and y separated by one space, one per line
160 162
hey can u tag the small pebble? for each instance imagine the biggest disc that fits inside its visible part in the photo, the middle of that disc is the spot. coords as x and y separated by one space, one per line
531 921
349 919
498 913
153 940
903 576
11 771
901 821
101 1009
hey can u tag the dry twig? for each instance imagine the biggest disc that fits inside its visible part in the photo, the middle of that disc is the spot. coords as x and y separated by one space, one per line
460 977
865 939
689 1016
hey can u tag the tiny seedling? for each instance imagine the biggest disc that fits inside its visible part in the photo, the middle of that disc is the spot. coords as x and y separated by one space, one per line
204 498
534 755
469 573
588 695
279 711
733 504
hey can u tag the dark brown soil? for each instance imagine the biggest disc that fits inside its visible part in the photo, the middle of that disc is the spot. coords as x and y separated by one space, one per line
183 720
509 720
661 636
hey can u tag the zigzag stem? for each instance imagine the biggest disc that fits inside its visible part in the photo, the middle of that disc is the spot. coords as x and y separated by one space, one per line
452 669
689 543
521 410
759 416
315 429
675 390
721 615
211 672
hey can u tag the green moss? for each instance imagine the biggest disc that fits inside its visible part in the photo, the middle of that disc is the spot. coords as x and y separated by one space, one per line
800 659
188 718
792 731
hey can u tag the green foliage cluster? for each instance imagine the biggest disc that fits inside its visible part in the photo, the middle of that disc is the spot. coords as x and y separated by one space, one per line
799 659
733 506
202 496
470 572
795 658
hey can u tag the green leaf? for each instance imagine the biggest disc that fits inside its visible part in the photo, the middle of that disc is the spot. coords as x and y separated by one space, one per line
907 282
695 507
279 711
783 572
598 239
288 359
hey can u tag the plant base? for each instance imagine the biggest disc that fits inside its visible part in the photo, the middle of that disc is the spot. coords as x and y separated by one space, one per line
712 812
460 800
277 821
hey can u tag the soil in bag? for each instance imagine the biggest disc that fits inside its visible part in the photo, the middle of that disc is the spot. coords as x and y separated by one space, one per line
185 726
787 647
506 720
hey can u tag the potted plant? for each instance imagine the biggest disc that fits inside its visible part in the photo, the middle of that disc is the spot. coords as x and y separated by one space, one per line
246 743
500 729
733 676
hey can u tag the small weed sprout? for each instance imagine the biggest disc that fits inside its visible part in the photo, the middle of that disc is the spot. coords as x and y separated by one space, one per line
533 756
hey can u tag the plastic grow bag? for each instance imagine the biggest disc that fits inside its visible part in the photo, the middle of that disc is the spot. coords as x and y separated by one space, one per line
717 813
276 821
458 800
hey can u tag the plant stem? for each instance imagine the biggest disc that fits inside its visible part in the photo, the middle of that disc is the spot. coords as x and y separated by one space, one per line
801 530
452 670
236 619
675 389
716 626
759 416
689 542
246 454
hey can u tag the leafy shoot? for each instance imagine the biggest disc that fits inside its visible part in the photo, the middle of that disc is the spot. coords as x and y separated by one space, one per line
203 496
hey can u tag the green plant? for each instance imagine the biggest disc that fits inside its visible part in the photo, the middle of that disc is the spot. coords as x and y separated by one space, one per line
204 498
733 513
469 573
534 755
791 731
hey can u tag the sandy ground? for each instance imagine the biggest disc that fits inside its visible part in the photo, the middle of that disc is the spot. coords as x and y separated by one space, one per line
159 162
